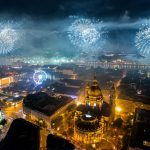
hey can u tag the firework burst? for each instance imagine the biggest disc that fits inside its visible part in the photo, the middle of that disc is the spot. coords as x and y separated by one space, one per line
142 40
84 33
8 38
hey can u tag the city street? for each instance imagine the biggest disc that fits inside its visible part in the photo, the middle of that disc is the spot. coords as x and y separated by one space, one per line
11 113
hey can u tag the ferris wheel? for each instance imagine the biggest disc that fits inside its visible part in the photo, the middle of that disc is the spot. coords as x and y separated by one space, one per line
39 76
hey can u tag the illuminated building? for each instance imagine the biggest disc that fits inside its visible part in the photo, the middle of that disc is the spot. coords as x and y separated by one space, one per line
1 117
148 74
93 117
13 101
93 95
6 81
66 71
112 102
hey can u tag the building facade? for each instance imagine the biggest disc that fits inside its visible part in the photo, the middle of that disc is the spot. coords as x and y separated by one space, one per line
92 118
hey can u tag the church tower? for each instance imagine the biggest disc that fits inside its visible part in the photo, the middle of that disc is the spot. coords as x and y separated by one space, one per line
112 101
93 94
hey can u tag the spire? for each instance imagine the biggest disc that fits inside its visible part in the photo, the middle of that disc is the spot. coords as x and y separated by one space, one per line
87 88
87 85
113 87
113 90
95 82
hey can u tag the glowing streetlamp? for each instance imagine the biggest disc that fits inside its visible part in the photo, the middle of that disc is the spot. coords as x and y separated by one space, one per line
118 109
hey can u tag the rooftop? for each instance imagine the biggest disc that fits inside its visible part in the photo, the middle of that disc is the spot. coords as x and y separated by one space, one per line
22 135
44 103
95 111
62 89
73 82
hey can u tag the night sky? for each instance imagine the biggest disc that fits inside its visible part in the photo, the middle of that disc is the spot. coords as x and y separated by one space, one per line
64 8
44 23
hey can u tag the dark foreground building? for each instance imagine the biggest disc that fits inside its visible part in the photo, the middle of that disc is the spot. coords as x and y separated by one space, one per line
22 135
44 103
57 143
140 136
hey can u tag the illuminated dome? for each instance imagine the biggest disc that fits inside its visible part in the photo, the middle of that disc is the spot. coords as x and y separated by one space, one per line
88 128
95 90
92 116
87 123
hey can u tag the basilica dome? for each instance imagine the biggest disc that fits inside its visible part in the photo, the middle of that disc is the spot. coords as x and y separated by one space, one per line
94 90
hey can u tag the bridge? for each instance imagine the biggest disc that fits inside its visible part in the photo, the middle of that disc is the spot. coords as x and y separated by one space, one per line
111 65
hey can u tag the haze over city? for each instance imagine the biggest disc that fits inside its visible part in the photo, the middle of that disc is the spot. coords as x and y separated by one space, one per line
43 26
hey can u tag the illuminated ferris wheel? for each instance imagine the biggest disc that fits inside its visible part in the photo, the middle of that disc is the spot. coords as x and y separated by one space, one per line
39 76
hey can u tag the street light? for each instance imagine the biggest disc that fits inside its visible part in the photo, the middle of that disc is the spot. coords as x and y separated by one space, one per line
118 109
78 103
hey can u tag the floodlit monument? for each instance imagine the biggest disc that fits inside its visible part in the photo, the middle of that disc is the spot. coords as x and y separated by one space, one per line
93 117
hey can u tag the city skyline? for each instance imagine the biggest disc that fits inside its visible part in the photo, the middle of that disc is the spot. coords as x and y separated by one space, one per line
74 74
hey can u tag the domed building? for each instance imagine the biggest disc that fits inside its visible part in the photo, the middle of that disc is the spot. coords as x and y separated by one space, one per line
93 95
92 118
